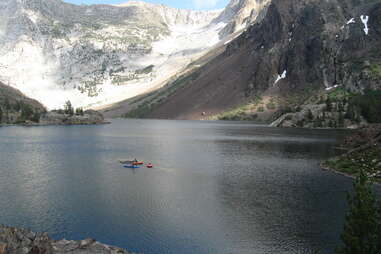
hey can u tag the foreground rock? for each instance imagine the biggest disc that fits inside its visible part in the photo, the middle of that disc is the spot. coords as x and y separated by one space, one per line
21 241
363 152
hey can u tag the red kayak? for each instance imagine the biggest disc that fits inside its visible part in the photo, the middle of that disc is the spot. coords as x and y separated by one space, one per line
149 165
138 163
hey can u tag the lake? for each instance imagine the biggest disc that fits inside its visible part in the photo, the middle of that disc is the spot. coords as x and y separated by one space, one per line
216 187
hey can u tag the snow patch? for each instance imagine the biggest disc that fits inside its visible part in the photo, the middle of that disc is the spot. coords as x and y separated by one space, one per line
280 77
352 20
365 20
332 87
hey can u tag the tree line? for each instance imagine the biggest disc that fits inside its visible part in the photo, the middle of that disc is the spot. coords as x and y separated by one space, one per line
24 111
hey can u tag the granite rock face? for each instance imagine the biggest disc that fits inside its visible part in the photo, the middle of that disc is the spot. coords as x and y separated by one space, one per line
21 241
96 55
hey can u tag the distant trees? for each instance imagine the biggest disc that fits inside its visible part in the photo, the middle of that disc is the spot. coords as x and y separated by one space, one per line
79 112
70 110
26 111
368 105
362 229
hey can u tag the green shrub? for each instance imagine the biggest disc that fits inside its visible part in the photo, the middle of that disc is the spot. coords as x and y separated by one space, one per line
362 229
376 70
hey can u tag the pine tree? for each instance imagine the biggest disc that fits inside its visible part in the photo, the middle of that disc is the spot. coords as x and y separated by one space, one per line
68 108
310 116
26 111
328 104
341 120
79 112
350 114
362 229
7 104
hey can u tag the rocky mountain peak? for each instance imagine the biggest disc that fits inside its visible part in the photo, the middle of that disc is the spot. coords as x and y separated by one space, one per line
101 54
241 13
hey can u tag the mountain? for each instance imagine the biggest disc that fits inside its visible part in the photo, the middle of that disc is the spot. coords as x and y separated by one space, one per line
96 55
16 107
308 58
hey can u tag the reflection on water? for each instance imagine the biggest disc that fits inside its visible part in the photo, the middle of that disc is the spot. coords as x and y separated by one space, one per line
216 187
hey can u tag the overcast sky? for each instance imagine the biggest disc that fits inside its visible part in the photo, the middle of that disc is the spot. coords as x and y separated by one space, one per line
184 4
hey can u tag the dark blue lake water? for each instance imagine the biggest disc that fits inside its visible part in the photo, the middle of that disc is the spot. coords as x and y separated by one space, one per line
216 187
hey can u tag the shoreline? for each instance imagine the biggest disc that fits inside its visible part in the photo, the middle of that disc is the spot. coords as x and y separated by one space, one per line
19 240
51 124
338 172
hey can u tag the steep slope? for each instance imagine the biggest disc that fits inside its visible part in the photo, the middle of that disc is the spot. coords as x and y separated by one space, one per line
298 52
16 107
100 54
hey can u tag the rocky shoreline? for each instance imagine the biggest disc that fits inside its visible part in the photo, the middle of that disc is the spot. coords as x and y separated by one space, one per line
363 152
89 117
22 241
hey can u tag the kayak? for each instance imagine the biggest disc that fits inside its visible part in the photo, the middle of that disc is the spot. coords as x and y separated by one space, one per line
126 161
131 166
149 165
132 162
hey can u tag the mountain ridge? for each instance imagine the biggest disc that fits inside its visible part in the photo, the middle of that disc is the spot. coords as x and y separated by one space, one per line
298 54
96 55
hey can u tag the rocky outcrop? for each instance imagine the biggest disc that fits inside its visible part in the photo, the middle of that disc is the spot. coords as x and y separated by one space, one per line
317 116
58 118
21 241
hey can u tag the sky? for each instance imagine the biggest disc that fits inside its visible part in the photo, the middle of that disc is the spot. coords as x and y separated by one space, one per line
183 4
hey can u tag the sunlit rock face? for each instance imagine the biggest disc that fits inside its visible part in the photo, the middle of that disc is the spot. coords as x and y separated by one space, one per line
99 54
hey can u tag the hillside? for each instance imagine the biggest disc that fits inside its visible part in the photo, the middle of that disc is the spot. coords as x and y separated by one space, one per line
15 107
293 58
